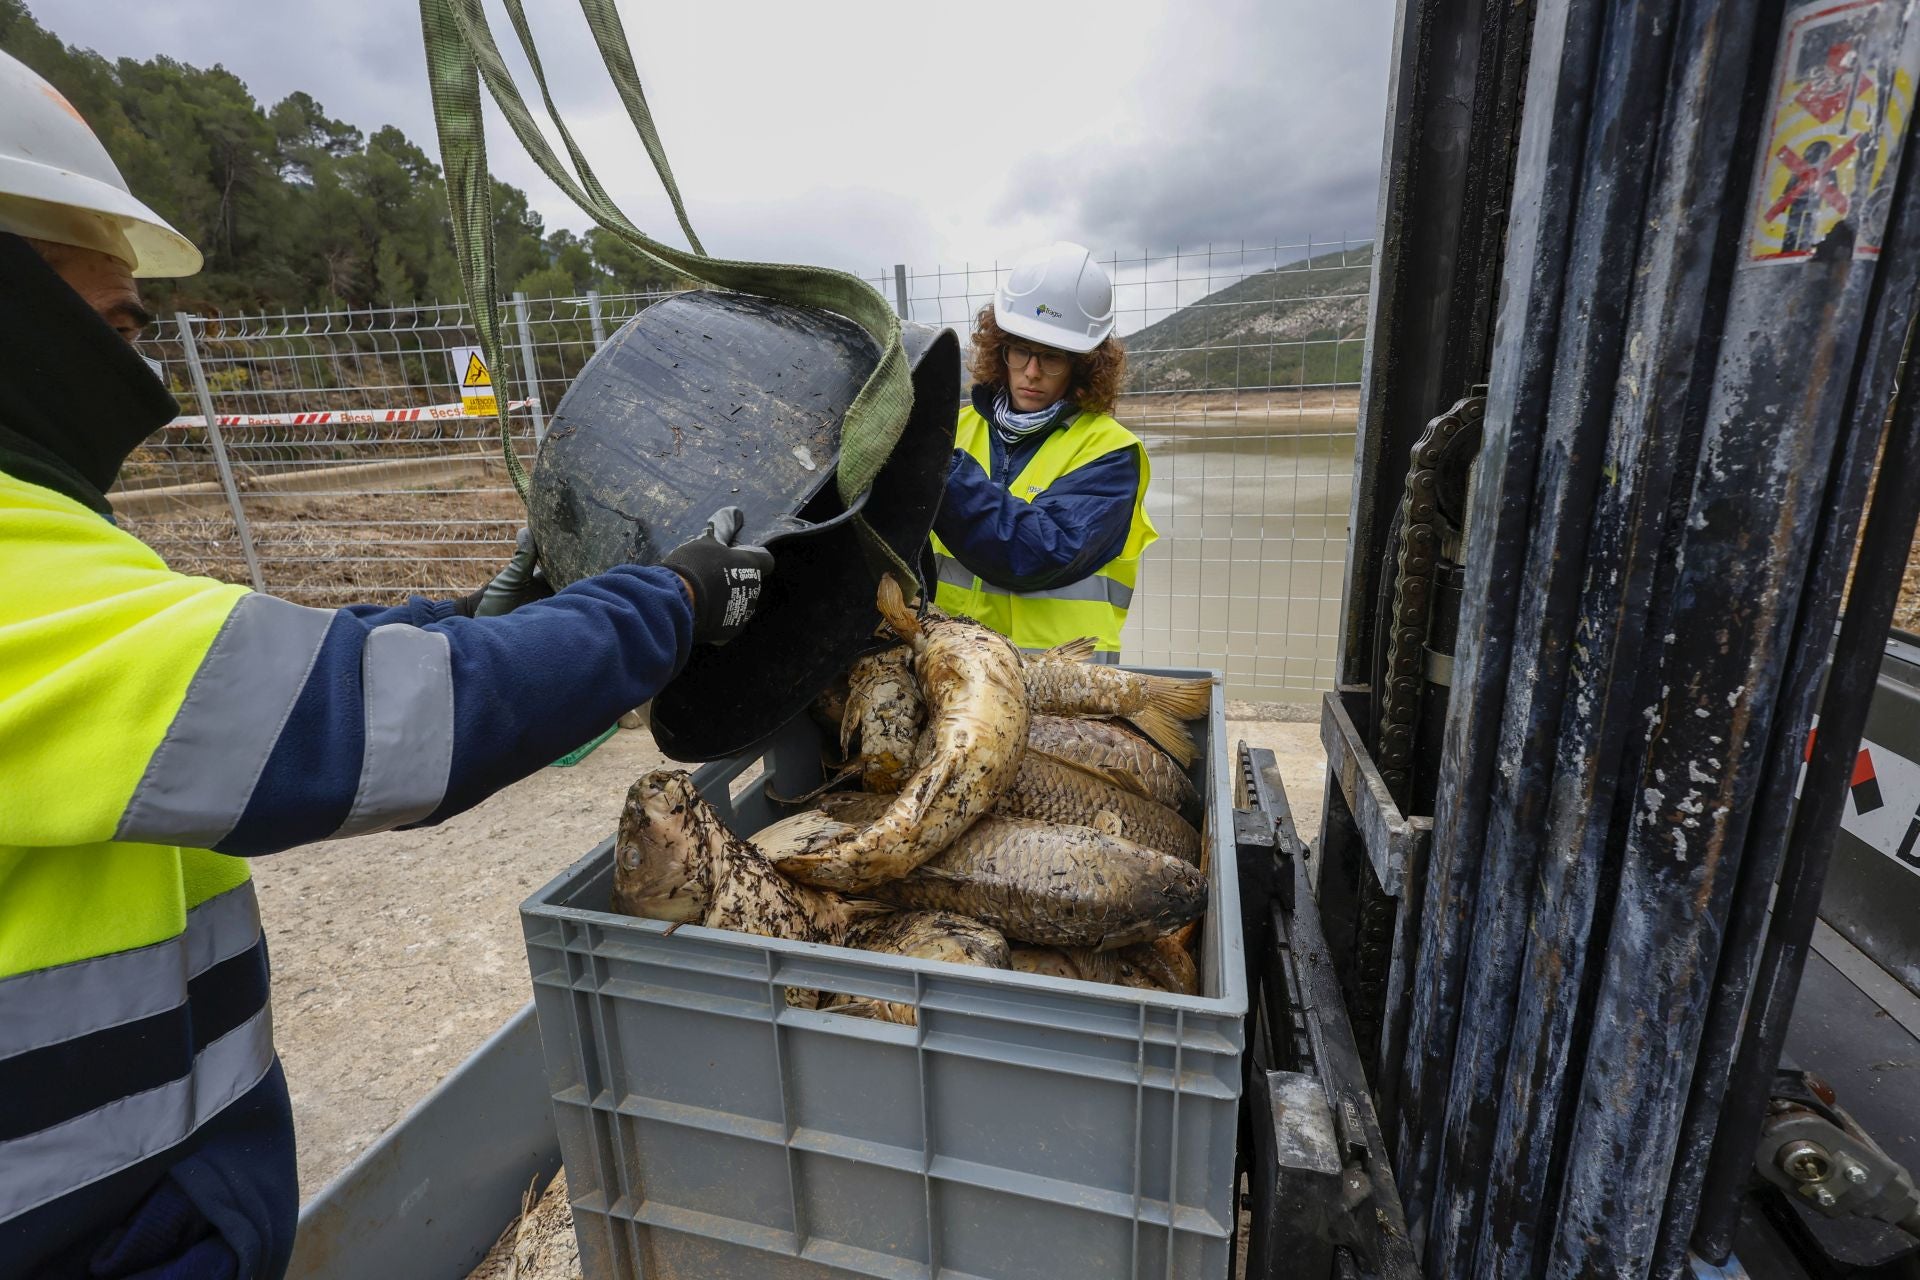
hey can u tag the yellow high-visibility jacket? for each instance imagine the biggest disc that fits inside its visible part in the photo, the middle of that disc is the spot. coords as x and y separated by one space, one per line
153 726
1095 605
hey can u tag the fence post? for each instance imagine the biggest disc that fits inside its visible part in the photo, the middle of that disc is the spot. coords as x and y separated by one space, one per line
199 375
594 319
900 290
530 372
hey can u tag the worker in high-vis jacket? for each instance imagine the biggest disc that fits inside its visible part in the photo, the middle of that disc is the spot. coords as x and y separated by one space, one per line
1044 520
158 729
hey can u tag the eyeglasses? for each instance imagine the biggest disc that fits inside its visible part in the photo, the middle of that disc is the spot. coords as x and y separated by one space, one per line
1052 363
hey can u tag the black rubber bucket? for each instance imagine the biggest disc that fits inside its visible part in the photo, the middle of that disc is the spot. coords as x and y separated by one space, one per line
712 399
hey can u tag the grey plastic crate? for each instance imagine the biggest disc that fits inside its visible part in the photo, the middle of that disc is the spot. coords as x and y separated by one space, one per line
1028 1127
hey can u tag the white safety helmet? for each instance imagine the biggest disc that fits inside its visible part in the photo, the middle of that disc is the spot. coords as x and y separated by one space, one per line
1057 295
58 183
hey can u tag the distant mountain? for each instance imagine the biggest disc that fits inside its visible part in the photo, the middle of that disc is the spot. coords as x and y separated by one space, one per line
1300 324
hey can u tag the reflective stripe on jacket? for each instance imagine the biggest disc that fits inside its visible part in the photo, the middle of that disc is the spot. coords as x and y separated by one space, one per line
1094 606
154 725
133 973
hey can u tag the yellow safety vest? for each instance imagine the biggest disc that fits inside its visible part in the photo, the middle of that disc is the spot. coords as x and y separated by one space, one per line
99 645
1095 606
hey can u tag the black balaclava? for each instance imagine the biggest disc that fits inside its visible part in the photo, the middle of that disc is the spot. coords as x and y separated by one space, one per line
75 399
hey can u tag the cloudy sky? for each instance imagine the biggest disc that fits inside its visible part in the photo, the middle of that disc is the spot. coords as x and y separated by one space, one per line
863 134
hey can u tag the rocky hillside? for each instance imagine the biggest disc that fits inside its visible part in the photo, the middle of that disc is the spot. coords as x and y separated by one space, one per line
1300 324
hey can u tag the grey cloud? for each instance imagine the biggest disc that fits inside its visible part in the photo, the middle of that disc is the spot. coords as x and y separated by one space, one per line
1265 122
1282 141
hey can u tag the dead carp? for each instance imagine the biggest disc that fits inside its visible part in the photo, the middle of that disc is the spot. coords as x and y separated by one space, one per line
883 713
1166 961
850 808
830 708
977 718
1144 965
1049 789
1058 886
1051 962
926 935
1105 744
1115 968
932 935
675 860
1059 684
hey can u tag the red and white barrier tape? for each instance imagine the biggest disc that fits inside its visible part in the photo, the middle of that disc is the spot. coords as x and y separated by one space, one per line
332 417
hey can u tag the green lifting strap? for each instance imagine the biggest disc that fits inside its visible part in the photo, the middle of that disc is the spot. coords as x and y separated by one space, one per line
461 53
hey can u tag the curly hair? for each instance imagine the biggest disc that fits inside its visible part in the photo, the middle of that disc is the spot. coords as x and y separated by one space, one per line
1094 383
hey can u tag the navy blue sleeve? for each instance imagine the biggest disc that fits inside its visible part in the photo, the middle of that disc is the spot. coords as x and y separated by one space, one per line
527 688
1063 535
418 611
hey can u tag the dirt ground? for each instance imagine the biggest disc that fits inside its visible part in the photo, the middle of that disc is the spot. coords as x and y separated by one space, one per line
396 955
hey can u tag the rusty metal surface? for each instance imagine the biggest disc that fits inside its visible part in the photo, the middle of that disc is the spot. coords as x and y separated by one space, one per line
1651 442
1389 836
1565 38
1453 105
1773 438
1858 654
1890 314
1374 1227
1622 126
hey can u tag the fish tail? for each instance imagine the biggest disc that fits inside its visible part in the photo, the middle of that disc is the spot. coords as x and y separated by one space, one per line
1181 699
1080 650
893 607
1167 731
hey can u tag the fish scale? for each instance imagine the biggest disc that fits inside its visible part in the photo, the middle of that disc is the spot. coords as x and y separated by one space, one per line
1045 883
1102 744
1048 789
977 717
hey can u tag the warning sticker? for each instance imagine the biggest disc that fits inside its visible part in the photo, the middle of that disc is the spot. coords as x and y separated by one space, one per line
476 382
1843 90
1883 804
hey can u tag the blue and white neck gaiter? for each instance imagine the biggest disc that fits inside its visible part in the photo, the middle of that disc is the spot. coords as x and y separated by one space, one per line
1013 427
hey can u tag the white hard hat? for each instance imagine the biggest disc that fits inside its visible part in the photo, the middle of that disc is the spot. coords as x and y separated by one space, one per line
1058 295
58 183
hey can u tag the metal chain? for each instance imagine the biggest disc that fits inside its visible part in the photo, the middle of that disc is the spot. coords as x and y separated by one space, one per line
1404 683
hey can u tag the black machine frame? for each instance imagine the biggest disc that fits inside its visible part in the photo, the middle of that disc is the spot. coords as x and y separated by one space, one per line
1593 465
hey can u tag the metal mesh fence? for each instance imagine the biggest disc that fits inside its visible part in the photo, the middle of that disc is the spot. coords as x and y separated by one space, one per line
339 467
355 475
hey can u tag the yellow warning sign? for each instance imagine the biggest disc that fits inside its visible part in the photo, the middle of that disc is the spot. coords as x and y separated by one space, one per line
1843 92
476 382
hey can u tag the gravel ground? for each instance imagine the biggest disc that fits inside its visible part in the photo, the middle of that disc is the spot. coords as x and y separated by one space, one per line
396 955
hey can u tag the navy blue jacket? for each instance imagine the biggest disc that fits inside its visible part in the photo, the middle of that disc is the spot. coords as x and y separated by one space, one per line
527 688
1064 535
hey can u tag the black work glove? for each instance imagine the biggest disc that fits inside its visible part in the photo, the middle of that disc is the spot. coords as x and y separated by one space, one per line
725 579
521 582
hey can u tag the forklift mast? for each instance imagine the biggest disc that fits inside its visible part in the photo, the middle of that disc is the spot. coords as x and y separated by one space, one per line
1646 273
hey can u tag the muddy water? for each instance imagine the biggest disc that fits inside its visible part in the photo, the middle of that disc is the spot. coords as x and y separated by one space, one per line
1252 514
